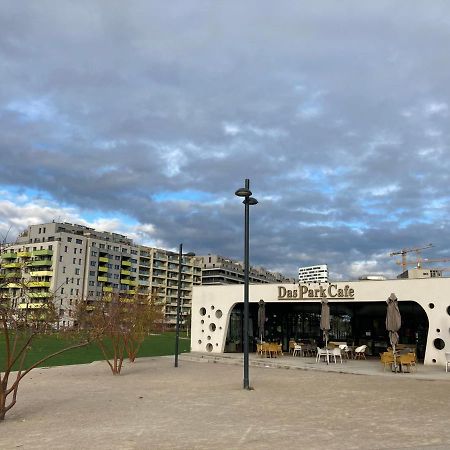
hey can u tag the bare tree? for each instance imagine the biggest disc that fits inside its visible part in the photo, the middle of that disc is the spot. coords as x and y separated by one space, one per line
20 323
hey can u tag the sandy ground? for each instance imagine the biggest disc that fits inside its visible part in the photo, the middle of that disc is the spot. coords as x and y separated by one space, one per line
153 405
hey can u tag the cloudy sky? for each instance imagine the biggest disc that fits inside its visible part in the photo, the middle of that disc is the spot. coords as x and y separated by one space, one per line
144 117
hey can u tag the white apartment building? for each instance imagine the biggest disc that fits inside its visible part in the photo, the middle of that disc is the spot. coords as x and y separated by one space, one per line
67 262
313 274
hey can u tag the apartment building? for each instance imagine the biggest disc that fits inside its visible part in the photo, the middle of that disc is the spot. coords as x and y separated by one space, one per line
67 262
220 270
313 274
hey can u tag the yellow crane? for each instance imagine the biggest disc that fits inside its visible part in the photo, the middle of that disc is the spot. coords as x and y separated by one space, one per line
404 251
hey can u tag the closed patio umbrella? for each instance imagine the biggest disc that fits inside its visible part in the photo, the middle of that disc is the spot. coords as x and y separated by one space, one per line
261 318
325 321
393 323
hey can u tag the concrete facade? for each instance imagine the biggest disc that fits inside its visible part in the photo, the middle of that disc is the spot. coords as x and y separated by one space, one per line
67 262
212 306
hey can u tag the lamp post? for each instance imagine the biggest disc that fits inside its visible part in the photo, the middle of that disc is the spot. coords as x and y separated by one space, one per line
248 201
177 326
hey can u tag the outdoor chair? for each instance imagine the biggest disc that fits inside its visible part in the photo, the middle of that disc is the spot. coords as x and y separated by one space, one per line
447 362
360 352
344 350
292 345
407 362
387 359
335 353
322 352
297 350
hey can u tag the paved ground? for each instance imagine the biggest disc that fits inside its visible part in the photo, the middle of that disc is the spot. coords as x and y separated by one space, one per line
199 405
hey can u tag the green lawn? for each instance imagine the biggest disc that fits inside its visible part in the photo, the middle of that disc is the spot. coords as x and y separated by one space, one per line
157 345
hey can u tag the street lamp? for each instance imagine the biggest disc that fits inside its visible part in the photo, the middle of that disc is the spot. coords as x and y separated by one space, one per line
248 200
177 327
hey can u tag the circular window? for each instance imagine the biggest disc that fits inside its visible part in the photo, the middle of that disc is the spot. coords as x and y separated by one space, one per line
433 360
209 347
219 313
438 330
199 341
431 305
202 321
209 338
439 343
448 310
212 307
202 311
212 327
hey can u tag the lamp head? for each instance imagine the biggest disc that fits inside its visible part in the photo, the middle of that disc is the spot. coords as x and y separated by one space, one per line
250 201
243 192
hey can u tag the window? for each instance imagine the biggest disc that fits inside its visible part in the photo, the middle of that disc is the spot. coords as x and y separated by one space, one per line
94 244
102 245
92 273
76 292
60 258
81 251
78 281
75 250
91 283
79 261
78 241
74 260
93 253
93 263
77 271
44 230
69 239
71 293
67 280
50 247
65 248
62 290
64 269
40 230
116 266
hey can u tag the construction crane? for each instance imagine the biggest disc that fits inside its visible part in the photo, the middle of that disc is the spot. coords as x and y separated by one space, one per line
419 261
403 252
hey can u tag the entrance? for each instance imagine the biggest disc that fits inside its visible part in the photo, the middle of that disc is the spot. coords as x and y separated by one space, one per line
355 323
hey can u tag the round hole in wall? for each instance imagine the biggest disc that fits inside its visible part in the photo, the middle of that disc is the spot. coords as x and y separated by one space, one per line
209 347
433 360
209 338
202 311
209 316
220 328
199 341
431 305
219 313
212 326
217 344
202 321
438 330
448 310
439 343
212 307
203 331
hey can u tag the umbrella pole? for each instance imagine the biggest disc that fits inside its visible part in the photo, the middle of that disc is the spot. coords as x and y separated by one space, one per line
395 360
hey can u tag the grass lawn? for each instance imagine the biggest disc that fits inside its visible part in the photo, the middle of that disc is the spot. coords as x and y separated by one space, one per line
157 345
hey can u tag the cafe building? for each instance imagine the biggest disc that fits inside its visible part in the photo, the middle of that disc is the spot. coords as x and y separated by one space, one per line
357 309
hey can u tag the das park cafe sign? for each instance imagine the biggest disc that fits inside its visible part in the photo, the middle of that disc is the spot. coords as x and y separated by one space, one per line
305 292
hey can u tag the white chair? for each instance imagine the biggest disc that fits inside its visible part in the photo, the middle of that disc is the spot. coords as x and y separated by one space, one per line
297 350
335 352
360 352
344 350
447 363
322 352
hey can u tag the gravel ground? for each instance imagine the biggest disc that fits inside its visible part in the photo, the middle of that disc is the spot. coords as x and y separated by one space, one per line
153 405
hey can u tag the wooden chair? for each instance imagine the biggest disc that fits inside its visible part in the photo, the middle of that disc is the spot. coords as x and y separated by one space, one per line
387 359
292 345
407 361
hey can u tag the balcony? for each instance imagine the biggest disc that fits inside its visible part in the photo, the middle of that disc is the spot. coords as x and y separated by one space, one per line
102 279
33 284
125 272
103 259
31 305
39 294
42 273
133 283
14 285
24 254
123 281
126 263
11 265
107 289
40 262
103 269
45 252
9 255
